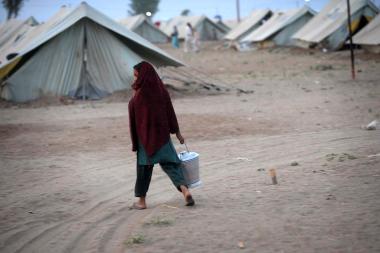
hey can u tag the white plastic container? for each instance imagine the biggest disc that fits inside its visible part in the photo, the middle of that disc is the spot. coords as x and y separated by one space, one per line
190 168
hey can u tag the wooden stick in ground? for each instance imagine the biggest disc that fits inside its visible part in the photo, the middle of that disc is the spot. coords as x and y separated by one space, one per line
272 173
350 39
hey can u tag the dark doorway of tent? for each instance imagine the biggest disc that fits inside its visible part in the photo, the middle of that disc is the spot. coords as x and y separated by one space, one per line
85 90
356 28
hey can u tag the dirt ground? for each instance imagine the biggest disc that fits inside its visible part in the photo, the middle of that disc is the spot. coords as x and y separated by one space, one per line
67 172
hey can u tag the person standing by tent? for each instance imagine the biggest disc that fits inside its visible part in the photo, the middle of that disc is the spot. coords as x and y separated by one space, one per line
151 121
189 38
174 35
195 42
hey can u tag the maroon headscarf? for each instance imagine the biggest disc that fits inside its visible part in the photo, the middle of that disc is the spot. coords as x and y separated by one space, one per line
151 113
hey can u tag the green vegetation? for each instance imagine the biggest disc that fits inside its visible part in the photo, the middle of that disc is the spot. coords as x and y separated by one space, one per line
340 157
158 221
137 239
12 7
143 6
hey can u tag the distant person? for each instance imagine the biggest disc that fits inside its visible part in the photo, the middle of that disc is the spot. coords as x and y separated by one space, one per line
189 38
151 121
195 42
174 35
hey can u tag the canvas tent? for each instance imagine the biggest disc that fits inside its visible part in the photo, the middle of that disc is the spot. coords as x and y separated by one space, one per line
221 23
141 25
280 27
248 25
206 28
369 36
78 52
329 28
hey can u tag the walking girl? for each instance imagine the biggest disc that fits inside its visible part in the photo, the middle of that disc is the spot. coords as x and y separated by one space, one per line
151 120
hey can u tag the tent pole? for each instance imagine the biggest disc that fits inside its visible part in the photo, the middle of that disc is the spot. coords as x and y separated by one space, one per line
85 78
85 63
238 10
350 37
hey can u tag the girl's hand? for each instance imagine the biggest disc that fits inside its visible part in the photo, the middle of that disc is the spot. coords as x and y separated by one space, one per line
180 138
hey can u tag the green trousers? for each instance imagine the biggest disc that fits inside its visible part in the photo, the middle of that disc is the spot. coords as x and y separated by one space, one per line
144 176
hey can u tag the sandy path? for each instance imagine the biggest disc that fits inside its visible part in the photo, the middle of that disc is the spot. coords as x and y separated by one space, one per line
319 206
84 207
79 202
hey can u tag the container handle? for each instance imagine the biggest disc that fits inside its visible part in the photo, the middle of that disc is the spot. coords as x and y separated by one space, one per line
186 147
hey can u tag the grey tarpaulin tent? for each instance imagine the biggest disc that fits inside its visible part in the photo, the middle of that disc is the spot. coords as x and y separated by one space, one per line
369 36
221 23
249 24
329 28
78 52
141 25
280 27
205 27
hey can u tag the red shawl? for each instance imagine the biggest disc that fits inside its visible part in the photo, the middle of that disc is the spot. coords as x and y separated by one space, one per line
151 113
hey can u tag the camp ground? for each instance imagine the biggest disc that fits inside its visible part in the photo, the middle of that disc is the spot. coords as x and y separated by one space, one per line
141 25
369 36
329 30
249 24
78 52
205 27
282 143
278 30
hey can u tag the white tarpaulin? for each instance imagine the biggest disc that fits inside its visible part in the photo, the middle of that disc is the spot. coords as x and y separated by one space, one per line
232 23
13 28
141 25
249 24
280 27
329 28
9 29
78 52
221 23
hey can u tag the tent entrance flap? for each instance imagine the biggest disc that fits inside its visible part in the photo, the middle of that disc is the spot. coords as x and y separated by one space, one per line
86 90
359 24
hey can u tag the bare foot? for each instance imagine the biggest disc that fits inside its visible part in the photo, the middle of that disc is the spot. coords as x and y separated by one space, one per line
137 206
187 195
189 200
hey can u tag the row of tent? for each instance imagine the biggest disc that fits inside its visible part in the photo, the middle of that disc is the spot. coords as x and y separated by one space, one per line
83 53
206 28
305 28
302 27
